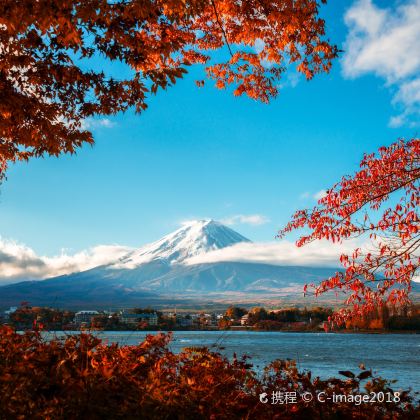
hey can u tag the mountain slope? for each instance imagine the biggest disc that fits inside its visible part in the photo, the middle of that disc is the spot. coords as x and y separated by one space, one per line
96 289
156 271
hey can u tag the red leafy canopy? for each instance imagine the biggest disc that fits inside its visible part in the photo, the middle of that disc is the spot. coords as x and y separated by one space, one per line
354 207
47 88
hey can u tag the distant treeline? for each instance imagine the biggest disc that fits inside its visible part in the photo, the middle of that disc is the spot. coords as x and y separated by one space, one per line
296 319
258 318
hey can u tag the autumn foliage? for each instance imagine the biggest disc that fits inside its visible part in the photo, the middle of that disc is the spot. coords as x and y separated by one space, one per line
53 56
81 377
378 204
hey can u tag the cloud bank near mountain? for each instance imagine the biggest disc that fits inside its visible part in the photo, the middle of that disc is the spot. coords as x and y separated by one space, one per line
317 254
20 262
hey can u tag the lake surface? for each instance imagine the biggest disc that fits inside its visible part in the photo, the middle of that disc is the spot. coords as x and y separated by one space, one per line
392 356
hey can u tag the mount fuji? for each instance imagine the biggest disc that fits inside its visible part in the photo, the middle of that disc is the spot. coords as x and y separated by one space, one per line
159 272
194 238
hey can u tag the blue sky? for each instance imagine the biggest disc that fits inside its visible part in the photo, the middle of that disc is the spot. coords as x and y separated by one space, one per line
199 153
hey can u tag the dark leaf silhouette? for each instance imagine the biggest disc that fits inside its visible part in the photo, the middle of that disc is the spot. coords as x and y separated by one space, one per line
347 373
365 374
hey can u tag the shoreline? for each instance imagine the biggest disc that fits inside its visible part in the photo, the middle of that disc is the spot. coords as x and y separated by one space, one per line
248 330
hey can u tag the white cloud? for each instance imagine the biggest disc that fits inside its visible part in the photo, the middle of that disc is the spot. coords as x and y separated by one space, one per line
305 195
409 92
293 79
386 42
242 219
320 194
90 123
320 253
397 121
19 262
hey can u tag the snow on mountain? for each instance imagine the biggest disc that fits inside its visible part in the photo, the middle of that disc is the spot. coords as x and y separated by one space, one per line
192 239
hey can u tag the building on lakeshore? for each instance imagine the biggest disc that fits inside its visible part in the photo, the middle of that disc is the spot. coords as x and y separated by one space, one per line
244 319
130 318
84 317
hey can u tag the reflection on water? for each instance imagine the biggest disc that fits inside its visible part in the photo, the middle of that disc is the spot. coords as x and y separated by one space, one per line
393 356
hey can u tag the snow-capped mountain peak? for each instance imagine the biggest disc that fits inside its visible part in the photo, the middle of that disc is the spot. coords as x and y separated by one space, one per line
193 238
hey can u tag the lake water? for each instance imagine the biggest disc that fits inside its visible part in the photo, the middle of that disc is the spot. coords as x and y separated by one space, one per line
392 356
